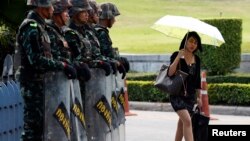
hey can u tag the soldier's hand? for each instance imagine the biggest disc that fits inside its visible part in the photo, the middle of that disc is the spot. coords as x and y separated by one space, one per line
106 67
113 66
125 63
69 71
122 70
83 71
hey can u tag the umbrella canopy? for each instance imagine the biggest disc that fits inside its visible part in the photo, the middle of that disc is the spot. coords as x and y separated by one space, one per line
178 26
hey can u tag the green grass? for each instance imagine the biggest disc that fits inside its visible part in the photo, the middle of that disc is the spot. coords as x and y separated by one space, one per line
132 33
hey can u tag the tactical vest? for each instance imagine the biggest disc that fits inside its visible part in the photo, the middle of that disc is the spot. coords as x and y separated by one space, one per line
113 51
21 61
61 52
101 29
85 49
92 36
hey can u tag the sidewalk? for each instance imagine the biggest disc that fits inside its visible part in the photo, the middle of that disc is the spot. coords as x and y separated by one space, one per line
214 109
161 126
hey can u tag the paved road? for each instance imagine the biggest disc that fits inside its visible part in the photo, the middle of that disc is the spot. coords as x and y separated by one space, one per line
161 126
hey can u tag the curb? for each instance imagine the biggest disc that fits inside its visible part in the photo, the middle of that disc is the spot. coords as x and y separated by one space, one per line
214 109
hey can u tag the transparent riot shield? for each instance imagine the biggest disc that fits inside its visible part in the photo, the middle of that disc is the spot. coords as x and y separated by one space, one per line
77 113
115 109
97 107
57 107
121 110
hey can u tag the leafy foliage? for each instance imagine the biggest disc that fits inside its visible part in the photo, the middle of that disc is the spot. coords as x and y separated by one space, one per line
224 59
223 93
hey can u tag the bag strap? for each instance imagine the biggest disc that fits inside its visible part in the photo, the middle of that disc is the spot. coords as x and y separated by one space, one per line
184 86
183 82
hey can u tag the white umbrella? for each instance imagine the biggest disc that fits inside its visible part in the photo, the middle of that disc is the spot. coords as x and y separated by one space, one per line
178 26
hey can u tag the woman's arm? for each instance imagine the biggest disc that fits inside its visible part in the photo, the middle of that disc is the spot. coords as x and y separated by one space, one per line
175 62
198 99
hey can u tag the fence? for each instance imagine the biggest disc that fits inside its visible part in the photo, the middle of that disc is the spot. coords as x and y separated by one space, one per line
11 105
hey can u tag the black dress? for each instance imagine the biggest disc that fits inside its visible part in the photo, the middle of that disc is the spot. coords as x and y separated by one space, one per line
192 83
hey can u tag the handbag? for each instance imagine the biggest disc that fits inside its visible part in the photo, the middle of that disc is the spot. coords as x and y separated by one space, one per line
171 85
200 125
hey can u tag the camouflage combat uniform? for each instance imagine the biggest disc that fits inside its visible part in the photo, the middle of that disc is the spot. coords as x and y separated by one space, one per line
109 12
89 53
95 45
91 32
59 46
34 48
78 45
105 41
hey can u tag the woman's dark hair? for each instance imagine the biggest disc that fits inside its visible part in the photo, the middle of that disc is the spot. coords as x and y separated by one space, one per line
187 36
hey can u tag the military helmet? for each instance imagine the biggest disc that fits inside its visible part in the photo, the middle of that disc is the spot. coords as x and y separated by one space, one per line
95 8
109 11
39 3
61 5
78 6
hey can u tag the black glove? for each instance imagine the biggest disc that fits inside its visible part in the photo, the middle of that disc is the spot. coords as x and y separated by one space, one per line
69 71
113 66
105 66
125 63
83 71
122 70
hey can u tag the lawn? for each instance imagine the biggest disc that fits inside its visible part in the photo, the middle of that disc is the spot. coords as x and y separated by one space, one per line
132 33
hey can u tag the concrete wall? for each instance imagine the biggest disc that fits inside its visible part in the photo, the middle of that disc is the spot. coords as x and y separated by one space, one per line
152 63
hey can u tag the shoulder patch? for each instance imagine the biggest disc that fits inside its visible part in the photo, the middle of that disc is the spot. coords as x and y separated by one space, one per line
33 24
72 32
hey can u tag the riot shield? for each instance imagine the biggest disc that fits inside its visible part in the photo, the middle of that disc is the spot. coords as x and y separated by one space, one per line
115 109
121 110
97 107
57 107
77 113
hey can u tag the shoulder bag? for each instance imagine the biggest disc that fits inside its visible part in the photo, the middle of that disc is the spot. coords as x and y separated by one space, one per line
171 85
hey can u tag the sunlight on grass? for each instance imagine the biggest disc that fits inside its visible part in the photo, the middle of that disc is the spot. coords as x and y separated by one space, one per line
132 33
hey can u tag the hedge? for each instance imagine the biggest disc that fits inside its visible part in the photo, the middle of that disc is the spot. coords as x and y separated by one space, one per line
241 78
225 93
224 59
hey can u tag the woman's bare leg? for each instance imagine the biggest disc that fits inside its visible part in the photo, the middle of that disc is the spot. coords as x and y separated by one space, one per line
187 125
179 131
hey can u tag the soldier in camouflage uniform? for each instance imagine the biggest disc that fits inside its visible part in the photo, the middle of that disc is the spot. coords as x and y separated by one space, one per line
90 33
36 60
59 46
93 19
106 20
76 36
79 45
94 12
